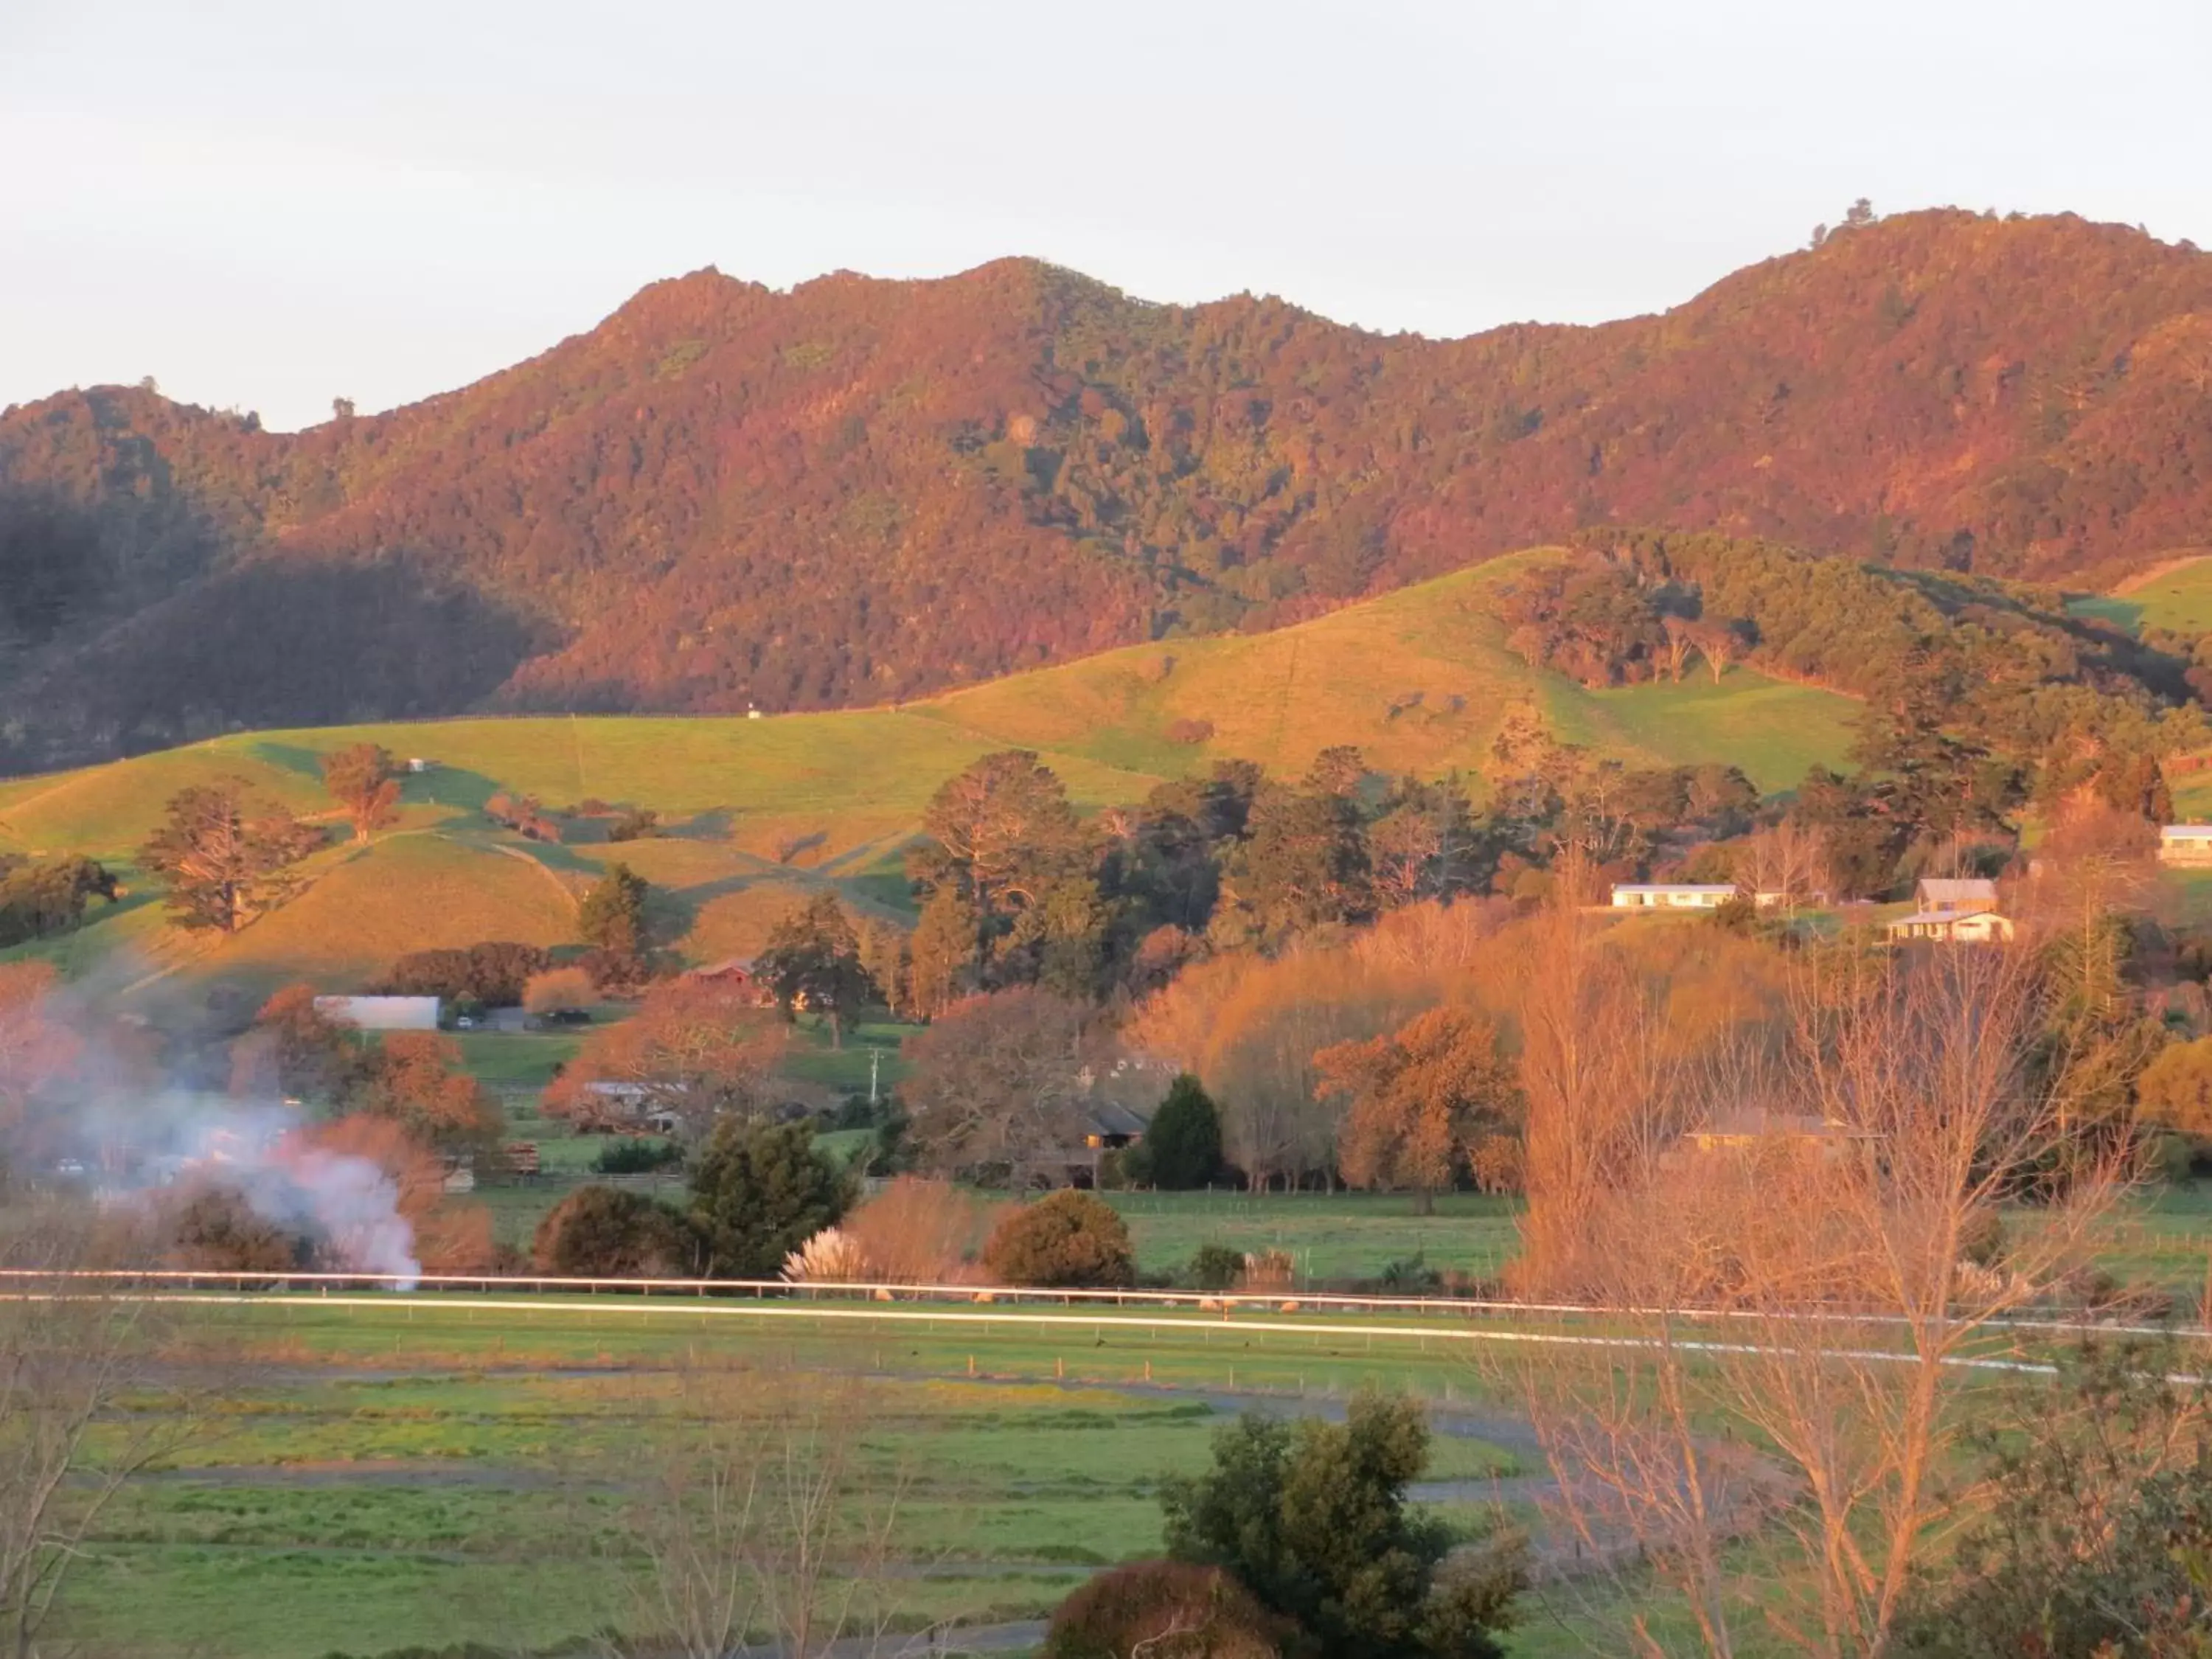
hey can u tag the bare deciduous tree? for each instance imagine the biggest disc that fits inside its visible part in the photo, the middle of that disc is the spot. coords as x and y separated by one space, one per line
767 1520
67 1360
1840 1204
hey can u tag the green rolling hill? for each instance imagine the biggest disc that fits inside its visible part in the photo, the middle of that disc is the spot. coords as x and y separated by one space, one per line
760 812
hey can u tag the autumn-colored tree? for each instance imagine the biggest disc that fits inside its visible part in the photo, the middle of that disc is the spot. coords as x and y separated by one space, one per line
942 955
558 990
696 1051
296 1051
888 961
1419 1098
419 1079
364 780
225 860
2175 1090
920 1232
995 1080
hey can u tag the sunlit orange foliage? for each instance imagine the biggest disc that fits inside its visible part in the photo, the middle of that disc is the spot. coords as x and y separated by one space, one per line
418 1079
1418 1098
697 1049
920 1232
35 1046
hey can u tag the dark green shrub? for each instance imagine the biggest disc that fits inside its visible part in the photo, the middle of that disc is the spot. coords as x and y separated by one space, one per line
1410 1276
604 1232
758 1192
1070 1239
1181 1148
1165 1610
1312 1519
638 1155
1215 1268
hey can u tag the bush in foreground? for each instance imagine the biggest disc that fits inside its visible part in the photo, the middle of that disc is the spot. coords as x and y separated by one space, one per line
605 1232
1165 1610
1069 1240
1312 1519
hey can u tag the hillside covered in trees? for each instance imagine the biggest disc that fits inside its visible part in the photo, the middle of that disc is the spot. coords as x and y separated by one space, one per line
861 491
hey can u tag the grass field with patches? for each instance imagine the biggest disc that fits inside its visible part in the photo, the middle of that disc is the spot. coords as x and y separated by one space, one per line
760 813
381 1478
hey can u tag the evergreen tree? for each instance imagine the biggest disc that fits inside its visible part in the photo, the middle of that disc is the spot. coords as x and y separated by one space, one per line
612 918
363 778
1181 1148
1313 1519
225 862
813 956
758 1192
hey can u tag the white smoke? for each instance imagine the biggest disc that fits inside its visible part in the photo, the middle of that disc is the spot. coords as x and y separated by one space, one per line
131 1145
141 1147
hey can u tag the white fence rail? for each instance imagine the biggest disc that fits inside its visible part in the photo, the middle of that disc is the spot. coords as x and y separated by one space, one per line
1226 1304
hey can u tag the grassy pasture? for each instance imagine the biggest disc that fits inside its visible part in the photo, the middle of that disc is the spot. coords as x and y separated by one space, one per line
378 1478
2176 594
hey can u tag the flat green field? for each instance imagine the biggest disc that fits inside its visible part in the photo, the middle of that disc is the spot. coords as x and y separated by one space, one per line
372 1480
761 813
1329 1237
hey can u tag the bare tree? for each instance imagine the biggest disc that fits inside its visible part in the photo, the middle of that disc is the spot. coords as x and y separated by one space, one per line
67 1360
766 1519
1785 859
1681 640
998 1078
1602 1093
1842 1206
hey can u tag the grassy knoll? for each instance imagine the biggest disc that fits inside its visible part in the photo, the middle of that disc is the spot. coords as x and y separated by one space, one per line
1419 679
762 812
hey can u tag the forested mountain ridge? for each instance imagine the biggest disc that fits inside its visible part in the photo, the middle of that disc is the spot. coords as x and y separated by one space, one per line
861 490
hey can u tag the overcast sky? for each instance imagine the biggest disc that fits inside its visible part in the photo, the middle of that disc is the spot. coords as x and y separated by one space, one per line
264 204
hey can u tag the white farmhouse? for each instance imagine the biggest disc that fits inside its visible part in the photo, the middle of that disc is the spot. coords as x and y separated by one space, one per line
1671 895
1954 912
2184 843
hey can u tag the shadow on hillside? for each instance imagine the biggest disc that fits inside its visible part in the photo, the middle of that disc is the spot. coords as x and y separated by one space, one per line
298 641
448 785
291 758
716 824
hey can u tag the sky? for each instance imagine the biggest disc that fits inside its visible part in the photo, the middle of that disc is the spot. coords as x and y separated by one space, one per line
267 203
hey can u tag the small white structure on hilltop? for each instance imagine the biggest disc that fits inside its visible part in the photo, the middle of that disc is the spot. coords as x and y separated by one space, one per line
381 1013
2184 843
1672 894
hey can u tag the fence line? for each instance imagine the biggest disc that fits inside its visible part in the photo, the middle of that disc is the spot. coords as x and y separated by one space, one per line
764 1309
802 1298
